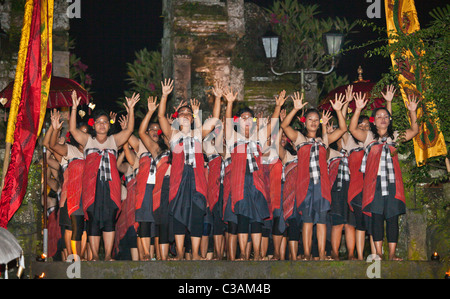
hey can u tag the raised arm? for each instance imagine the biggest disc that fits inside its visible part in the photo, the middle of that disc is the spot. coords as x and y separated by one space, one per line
356 132
167 87
412 107
123 136
230 97
210 123
285 125
80 136
338 104
145 138
59 149
388 96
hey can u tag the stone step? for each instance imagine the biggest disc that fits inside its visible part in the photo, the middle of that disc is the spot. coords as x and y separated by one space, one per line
242 270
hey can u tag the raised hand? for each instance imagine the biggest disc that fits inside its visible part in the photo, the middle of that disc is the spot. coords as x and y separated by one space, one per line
55 117
390 92
75 100
181 104
298 100
152 106
339 101
349 93
123 121
360 100
218 90
279 101
195 105
167 86
229 95
412 102
113 116
326 116
131 102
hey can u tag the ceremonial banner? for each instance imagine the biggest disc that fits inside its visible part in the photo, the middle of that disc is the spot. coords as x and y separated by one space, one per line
401 18
29 101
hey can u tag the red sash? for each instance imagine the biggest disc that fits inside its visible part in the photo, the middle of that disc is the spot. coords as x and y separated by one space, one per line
72 185
226 187
333 170
141 179
89 180
276 170
238 166
356 176
303 173
289 188
214 181
161 169
176 171
370 177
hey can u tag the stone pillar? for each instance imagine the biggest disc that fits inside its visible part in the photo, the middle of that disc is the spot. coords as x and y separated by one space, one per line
182 77
416 232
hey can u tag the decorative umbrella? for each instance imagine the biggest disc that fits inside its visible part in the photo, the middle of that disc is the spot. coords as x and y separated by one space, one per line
60 94
10 250
363 86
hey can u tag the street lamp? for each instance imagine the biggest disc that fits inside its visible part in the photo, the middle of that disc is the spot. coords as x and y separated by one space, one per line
333 44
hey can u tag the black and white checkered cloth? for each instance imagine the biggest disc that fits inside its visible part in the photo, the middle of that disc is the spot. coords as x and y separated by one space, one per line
252 153
386 165
314 168
105 163
224 165
343 170
188 148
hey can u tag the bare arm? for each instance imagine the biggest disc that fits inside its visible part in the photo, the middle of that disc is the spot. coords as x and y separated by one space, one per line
123 136
412 107
337 106
285 125
209 125
167 87
80 136
356 132
60 149
145 138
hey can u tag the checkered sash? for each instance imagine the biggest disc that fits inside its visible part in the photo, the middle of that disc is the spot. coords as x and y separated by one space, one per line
343 169
155 162
128 178
224 165
314 168
188 148
105 163
64 166
386 165
252 153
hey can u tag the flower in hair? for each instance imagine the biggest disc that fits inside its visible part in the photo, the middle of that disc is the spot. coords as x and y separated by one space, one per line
175 115
159 132
254 119
235 118
111 121
91 122
371 119
68 136
303 119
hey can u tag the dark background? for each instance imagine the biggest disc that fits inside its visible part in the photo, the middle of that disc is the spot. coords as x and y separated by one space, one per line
109 32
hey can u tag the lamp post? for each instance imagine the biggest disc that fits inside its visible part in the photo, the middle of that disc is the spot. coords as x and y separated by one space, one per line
333 44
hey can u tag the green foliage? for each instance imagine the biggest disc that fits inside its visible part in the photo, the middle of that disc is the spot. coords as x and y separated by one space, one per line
301 45
144 76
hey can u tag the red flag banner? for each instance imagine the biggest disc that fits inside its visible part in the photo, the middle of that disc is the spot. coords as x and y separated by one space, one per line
32 72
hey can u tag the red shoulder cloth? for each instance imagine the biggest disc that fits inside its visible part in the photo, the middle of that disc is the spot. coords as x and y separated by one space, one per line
370 177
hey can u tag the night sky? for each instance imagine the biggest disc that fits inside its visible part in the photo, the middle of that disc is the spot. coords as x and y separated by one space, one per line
109 32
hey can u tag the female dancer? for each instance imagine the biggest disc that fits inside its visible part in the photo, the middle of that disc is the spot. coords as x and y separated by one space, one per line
248 204
158 173
101 190
383 192
72 164
187 195
313 201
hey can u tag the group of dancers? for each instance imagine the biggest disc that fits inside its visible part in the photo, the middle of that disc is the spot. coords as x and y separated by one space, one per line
235 186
